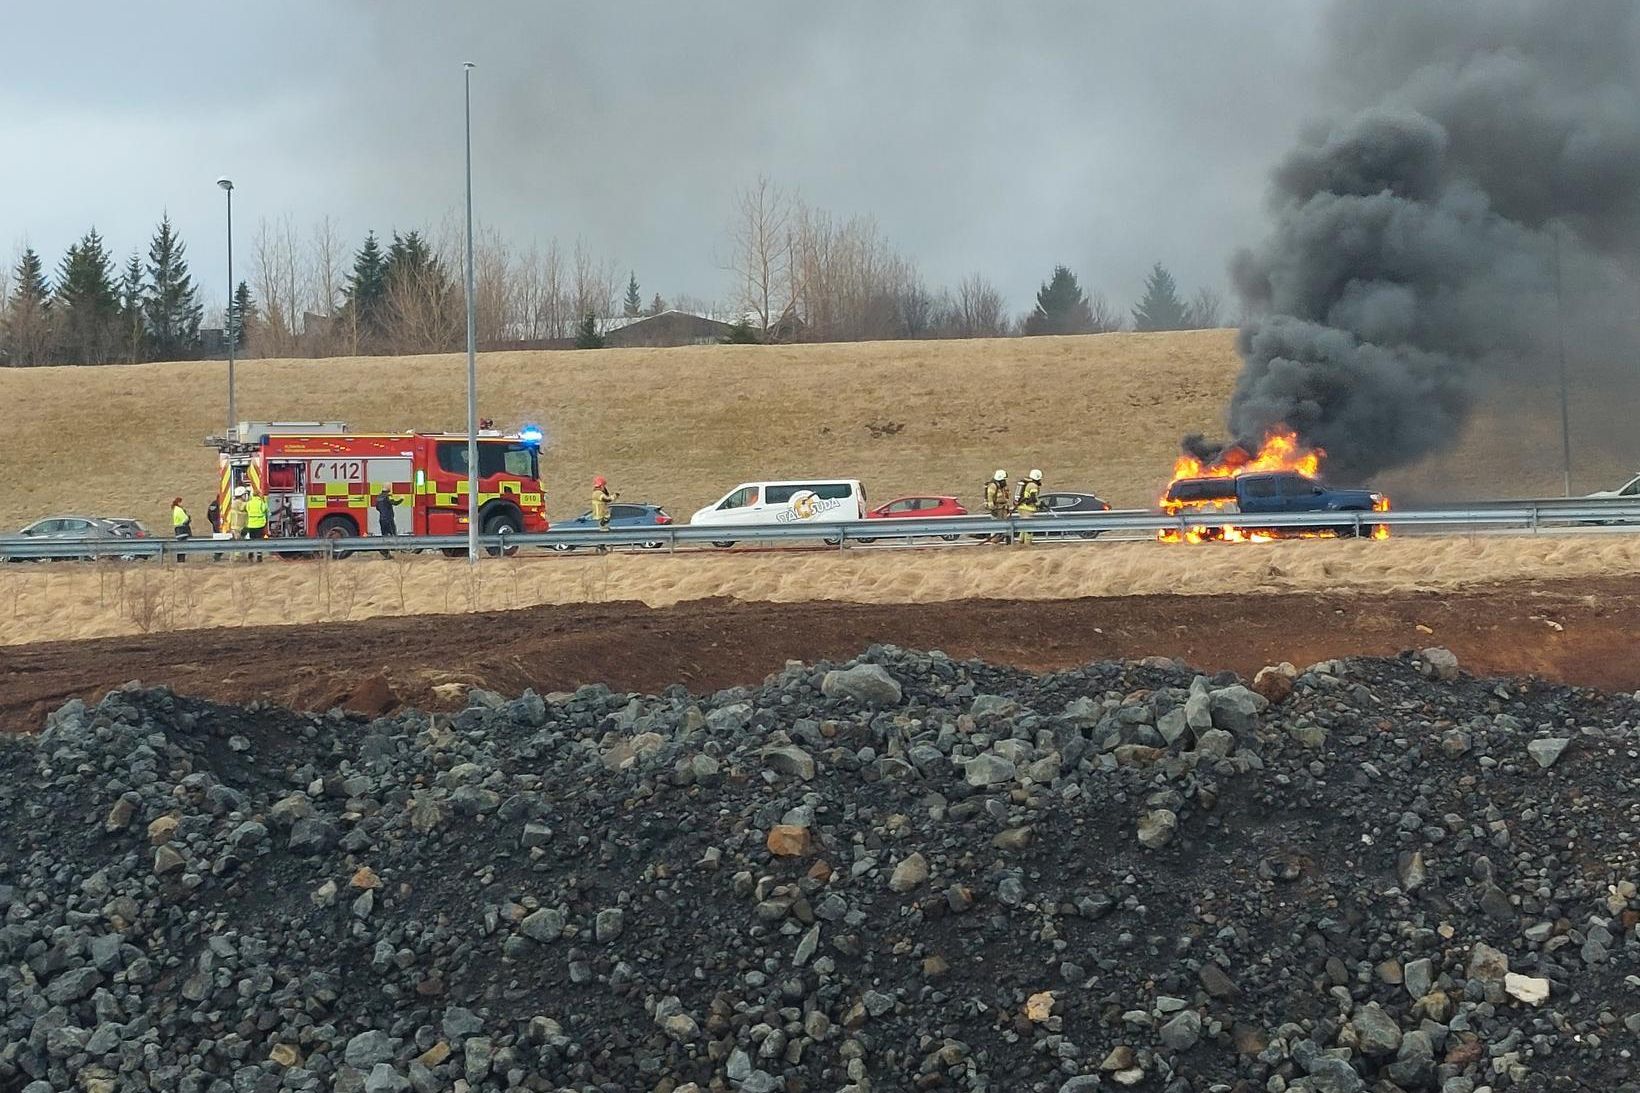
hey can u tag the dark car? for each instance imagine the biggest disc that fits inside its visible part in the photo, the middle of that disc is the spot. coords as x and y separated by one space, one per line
1059 504
622 517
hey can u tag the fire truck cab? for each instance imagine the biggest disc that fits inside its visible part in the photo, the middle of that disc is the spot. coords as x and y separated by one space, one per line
321 480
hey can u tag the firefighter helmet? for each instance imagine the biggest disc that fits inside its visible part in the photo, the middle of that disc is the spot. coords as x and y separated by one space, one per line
599 483
1000 476
1036 475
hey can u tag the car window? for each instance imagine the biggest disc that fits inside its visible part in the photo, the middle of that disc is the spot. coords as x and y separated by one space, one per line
625 512
746 495
779 495
76 525
42 527
1630 490
833 491
1261 487
1202 489
902 506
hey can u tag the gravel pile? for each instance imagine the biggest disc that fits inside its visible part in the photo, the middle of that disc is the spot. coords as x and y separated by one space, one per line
906 873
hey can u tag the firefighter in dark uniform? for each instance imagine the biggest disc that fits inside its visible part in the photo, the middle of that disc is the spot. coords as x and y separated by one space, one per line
384 513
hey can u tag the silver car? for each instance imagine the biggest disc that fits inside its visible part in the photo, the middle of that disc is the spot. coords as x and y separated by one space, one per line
74 527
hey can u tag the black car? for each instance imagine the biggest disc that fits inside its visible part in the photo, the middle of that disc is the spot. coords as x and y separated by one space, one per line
1059 504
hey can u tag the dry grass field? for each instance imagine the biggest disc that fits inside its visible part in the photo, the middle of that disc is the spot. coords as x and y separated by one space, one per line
680 426
65 601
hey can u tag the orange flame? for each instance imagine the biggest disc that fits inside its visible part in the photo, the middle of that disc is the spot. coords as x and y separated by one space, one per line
1280 450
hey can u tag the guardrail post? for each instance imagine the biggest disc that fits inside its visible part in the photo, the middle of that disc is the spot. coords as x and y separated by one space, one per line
1534 520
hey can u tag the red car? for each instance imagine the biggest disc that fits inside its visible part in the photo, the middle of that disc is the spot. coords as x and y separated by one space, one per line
917 508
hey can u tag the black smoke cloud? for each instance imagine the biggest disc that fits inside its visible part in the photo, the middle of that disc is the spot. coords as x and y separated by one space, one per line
1478 145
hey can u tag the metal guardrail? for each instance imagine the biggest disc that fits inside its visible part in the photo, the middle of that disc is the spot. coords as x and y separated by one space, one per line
1562 515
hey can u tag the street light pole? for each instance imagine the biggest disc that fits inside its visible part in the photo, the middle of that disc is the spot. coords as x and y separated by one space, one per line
472 336
230 327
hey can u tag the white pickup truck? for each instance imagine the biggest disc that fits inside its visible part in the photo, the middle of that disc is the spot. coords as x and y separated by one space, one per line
1631 488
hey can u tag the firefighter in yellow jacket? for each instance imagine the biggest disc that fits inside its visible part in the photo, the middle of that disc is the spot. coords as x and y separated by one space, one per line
256 519
996 500
602 501
1028 502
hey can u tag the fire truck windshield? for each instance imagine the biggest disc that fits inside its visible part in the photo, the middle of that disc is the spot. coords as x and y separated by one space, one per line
494 457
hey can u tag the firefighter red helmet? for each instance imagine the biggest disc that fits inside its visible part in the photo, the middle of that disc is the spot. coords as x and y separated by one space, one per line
598 483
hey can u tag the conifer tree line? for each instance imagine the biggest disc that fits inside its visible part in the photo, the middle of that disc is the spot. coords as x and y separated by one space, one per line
798 273
88 310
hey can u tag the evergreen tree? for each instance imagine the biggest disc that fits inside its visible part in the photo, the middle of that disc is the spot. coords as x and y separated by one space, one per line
25 326
241 315
634 299
424 312
87 326
1061 307
172 307
657 305
586 335
1161 309
366 293
133 340
742 333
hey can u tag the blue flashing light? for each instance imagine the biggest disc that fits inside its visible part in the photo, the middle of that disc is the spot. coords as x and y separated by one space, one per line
530 434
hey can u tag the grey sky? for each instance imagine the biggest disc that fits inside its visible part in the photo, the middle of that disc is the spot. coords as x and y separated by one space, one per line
996 136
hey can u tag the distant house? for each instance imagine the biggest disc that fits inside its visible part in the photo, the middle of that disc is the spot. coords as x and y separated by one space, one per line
667 328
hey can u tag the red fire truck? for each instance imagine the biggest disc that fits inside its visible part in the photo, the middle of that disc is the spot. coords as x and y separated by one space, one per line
322 480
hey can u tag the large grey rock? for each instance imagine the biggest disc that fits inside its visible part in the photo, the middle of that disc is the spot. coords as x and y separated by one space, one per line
1157 828
988 769
1546 750
910 873
545 925
367 1049
1235 709
865 684
790 760
1375 1032
1438 663
1182 1033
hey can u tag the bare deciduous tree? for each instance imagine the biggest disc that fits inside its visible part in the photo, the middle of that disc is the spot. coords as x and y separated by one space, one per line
1106 319
762 258
1206 310
278 275
976 311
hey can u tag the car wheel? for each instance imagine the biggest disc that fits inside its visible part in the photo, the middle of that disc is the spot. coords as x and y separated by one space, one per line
561 548
950 538
833 540
1090 534
654 544
723 544
863 539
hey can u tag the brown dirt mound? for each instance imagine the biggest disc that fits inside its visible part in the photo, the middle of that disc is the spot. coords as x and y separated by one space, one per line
1572 632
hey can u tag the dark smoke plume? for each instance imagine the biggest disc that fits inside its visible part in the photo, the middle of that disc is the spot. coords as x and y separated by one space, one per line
1414 252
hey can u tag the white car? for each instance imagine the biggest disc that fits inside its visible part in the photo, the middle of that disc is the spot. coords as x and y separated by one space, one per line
816 501
1630 489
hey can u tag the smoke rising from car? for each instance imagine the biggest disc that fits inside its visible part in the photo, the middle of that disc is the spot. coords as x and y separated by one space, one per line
1477 152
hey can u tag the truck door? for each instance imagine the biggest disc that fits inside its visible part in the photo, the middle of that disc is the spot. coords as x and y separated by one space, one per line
397 475
1261 494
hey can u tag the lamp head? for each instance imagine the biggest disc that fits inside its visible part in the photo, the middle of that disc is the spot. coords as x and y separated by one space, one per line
225 182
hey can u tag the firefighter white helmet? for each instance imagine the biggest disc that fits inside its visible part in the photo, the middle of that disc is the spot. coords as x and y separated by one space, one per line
1000 476
1036 476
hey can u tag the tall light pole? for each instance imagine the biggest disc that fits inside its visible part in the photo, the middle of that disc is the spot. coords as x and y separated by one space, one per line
472 336
230 327
1565 398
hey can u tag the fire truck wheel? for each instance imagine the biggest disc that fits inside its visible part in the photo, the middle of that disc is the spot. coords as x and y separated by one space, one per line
338 527
502 523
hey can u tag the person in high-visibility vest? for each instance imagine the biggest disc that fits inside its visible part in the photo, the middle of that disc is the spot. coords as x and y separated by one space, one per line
256 520
181 526
1029 501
